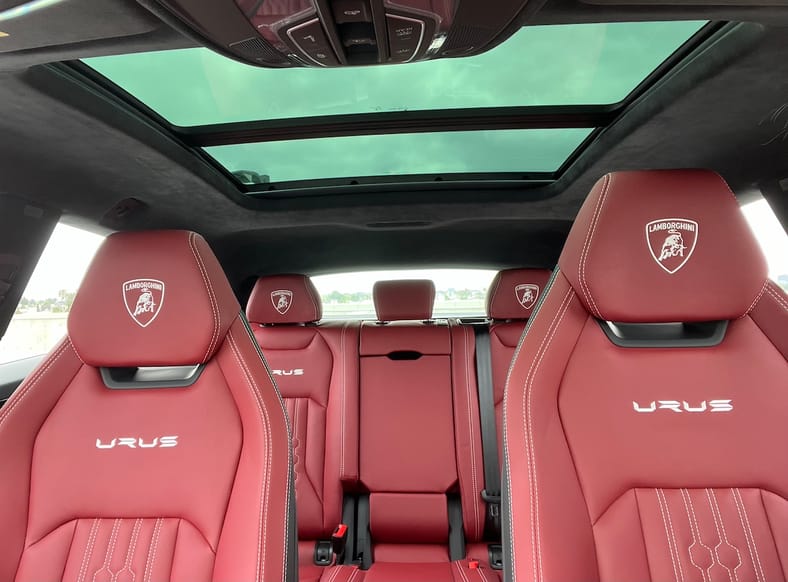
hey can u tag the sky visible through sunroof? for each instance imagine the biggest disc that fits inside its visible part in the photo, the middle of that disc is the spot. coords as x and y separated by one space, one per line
529 150
539 65
581 64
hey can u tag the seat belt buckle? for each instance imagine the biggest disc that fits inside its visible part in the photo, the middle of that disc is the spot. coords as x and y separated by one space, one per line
493 501
496 556
324 555
339 542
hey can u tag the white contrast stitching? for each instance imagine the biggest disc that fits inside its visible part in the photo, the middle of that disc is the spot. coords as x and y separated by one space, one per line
264 499
755 301
461 571
343 355
217 321
88 553
723 537
19 395
749 538
506 395
469 397
668 536
152 549
696 534
587 246
113 538
131 550
529 446
777 295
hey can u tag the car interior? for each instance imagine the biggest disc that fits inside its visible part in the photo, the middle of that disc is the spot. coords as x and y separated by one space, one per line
393 290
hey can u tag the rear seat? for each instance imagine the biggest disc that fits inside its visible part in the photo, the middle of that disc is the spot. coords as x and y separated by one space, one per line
511 300
420 450
316 369
388 412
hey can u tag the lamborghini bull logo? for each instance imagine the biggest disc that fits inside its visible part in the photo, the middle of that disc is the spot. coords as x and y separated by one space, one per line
671 242
282 299
673 246
527 295
143 299
145 303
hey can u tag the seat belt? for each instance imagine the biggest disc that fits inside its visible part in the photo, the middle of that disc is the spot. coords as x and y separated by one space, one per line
492 468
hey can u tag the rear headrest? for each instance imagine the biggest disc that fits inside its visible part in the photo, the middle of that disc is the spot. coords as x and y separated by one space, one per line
514 293
663 246
155 298
403 300
280 299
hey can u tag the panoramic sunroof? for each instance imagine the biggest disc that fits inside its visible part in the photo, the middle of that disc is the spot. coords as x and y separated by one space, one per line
574 66
525 150
578 64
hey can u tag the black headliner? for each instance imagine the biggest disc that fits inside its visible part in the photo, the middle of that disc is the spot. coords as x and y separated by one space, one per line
66 145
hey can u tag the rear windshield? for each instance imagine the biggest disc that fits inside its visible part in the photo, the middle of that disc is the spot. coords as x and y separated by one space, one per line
459 292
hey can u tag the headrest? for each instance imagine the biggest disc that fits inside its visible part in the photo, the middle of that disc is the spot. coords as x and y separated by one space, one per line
154 298
403 300
284 299
514 293
663 246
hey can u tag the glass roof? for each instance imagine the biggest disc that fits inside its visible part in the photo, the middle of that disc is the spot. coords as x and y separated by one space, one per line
578 64
518 150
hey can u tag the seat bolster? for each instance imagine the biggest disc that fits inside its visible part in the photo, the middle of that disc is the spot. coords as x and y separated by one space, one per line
771 315
342 422
541 516
20 420
259 527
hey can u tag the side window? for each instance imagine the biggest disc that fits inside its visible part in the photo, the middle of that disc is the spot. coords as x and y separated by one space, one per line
772 238
40 318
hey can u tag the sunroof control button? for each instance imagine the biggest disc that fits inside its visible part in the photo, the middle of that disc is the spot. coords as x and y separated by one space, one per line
351 11
310 38
405 37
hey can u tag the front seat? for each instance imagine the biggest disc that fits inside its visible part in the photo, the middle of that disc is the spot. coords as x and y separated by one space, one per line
151 445
652 448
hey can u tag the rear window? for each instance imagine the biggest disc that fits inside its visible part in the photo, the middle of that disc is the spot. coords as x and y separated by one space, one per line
459 292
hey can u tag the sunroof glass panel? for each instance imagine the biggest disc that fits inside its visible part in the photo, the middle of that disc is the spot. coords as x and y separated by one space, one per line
524 151
579 64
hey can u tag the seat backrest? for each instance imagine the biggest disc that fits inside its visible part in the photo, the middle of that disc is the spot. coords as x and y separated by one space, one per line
409 440
511 300
316 369
651 448
151 444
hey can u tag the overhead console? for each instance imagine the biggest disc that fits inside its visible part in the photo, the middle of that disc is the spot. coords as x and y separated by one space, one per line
336 33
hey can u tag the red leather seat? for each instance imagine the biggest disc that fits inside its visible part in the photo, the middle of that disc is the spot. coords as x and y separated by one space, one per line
419 430
643 451
511 300
148 481
316 369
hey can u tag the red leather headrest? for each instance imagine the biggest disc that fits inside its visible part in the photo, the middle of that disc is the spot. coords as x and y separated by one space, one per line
155 298
284 299
403 300
663 246
514 293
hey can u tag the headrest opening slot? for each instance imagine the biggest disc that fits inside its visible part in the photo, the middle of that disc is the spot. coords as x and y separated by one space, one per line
704 334
403 355
148 377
